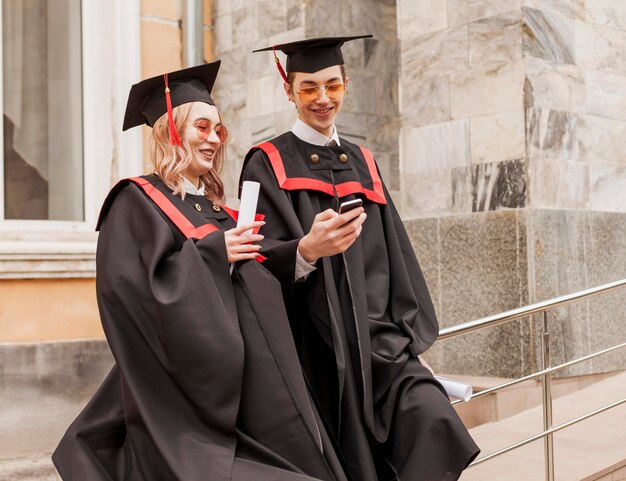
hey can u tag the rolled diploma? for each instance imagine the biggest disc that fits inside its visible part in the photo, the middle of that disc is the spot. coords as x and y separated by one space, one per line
247 206
456 389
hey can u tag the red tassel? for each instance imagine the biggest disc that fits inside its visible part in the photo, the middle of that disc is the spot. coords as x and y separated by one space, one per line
279 66
174 137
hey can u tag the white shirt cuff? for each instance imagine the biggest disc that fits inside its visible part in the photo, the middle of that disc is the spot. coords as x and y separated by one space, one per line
303 268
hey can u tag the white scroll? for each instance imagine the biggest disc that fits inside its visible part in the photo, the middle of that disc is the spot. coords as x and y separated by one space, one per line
247 206
456 389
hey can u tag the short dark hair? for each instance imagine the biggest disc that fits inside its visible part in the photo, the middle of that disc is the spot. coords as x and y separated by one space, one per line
290 75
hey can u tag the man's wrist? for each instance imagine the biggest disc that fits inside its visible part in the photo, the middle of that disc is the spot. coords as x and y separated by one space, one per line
304 252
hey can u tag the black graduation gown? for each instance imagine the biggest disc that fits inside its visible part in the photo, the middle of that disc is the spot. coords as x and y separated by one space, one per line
206 382
361 319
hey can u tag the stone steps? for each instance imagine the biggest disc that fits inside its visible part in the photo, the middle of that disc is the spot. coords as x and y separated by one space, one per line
581 452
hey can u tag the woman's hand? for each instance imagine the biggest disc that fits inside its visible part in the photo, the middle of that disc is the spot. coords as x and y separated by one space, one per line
239 245
331 234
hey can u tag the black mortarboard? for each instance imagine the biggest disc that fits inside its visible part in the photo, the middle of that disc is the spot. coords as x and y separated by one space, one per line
147 100
312 55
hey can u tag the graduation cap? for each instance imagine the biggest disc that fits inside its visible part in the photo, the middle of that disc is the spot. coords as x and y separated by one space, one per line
149 99
311 55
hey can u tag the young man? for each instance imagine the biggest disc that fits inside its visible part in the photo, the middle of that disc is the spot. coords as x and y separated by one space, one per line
359 308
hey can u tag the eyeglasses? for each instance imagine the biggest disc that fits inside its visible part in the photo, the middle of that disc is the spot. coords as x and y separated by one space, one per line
204 129
309 95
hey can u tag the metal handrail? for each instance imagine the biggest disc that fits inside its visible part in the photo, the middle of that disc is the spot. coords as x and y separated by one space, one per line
546 370
543 372
514 314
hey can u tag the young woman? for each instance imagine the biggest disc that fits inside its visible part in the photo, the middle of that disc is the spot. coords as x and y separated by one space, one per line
207 383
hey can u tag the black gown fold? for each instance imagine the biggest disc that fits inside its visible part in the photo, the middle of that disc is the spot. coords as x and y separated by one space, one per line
206 382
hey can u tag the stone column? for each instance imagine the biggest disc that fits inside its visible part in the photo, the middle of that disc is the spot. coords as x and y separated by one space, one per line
513 177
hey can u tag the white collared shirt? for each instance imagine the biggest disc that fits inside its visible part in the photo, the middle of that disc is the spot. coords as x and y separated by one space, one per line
308 134
191 189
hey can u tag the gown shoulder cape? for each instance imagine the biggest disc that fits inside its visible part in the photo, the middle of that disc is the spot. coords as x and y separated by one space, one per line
206 382
362 317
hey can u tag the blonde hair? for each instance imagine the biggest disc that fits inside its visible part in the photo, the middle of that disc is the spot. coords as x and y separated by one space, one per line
171 161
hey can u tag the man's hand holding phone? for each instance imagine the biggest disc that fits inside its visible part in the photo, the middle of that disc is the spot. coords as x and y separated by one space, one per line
332 233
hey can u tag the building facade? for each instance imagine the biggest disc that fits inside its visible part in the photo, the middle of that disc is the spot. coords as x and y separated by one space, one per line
498 126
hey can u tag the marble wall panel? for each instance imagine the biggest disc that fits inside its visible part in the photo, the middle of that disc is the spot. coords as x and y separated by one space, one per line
483 272
570 251
465 11
569 8
498 136
352 126
606 261
499 185
245 26
605 247
558 184
221 7
606 12
262 128
291 35
554 86
549 36
426 194
552 134
425 102
600 48
495 41
424 236
223 33
373 86
435 54
607 191
272 17
602 140
381 135
419 17
260 96
461 195
557 244
475 92
295 14
435 147
605 94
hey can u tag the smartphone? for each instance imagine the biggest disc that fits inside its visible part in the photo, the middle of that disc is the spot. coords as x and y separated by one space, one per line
349 205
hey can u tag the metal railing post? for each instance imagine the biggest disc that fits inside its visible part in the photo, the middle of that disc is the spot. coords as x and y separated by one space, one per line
548 441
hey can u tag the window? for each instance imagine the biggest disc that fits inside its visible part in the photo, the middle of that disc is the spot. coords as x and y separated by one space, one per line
67 66
42 110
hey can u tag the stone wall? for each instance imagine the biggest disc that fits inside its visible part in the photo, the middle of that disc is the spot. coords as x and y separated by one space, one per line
512 170
497 127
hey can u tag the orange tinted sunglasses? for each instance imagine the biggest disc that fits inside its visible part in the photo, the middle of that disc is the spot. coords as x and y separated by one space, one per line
203 128
311 94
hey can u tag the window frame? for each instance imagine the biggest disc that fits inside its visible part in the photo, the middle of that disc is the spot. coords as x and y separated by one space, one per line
111 63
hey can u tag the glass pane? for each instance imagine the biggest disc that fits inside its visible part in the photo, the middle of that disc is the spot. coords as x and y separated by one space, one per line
42 95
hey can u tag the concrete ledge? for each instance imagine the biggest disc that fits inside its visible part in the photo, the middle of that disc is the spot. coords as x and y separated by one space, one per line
43 387
41 259
28 469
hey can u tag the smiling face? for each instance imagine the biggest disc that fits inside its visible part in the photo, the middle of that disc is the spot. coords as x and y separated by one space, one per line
203 152
319 114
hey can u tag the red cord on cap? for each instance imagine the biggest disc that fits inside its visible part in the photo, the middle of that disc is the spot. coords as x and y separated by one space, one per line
279 66
174 137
